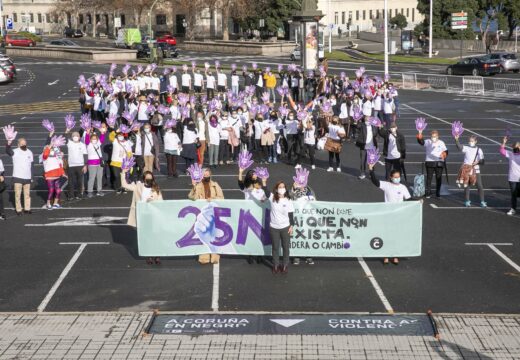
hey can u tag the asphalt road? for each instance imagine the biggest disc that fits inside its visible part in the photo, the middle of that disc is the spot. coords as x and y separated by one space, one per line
450 276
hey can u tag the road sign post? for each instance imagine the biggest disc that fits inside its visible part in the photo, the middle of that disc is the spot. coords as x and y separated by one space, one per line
459 21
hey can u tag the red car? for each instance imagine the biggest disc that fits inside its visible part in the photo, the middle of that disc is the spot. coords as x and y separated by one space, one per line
169 39
18 40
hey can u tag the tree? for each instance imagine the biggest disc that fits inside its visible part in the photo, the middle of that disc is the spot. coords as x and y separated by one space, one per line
274 12
512 13
399 21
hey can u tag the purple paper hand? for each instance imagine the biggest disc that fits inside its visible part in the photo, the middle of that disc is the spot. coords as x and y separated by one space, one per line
196 173
302 177
58 141
261 173
124 129
9 133
49 126
372 156
111 120
244 160
457 129
70 123
96 124
375 122
85 122
420 124
128 163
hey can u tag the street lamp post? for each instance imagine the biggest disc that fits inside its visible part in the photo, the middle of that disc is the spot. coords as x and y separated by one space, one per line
386 37
150 35
430 45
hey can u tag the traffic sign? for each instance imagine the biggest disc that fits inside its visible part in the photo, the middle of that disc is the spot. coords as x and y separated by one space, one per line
459 27
464 14
117 22
9 24
459 18
455 23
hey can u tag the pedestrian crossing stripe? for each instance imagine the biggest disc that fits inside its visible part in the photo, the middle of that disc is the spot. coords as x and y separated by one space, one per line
40 107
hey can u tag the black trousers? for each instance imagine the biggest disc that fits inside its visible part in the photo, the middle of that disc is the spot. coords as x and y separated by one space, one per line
430 170
392 164
295 94
515 192
333 155
223 151
210 93
116 173
310 149
75 174
293 146
280 238
171 161
2 190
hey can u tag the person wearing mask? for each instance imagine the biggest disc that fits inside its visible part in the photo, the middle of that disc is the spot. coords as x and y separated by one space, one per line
22 174
198 81
210 85
366 140
52 158
146 190
77 152
3 187
208 190
235 81
221 82
185 82
172 149
436 153
225 126
189 142
336 134
95 164
121 148
394 149
150 149
214 130
514 172
469 173
202 131
302 193
281 226
309 140
395 192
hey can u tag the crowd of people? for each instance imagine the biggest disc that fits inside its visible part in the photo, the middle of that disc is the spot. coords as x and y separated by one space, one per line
207 116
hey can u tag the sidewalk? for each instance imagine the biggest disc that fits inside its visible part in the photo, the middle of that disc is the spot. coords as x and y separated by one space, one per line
119 336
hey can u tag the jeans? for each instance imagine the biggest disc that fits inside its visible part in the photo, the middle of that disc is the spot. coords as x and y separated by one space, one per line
75 181
213 154
95 174
280 237
234 89
272 95
26 196
223 154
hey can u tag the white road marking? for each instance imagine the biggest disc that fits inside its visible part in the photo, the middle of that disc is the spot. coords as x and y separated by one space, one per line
85 221
509 122
376 286
500 253
476 207
216 287
53 83
287 323
63 274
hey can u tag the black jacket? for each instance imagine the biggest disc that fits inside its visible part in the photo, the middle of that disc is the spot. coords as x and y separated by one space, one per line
362 136
400 142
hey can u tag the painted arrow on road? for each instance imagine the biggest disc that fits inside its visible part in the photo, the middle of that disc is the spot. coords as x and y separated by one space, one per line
85 221
287 323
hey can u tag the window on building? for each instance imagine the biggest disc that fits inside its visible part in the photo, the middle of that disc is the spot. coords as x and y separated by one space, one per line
336 15
402 11
389 13
357 14
123 20
413 14
364 14
80 18
408 12
371 15
48 18
39 18
15 17
31 17
160 19
98 18
89 19
343 17
377 14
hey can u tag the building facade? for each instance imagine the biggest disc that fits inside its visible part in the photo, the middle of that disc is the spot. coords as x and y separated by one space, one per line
365 15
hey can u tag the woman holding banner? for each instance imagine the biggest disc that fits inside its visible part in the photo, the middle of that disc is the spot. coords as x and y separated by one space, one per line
146 190
281 226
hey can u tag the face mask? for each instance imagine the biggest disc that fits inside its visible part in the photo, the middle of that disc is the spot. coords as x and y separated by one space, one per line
169 130
239 113
393 131
516 150
434 139
206 179
396 180
121 138
147 130
291 117
148 182
23 147
94 142
189 106
199 118
472 144
281 191
75 138
103 130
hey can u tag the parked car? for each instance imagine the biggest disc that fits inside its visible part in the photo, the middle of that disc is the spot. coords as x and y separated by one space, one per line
73 33
18 40
296 54
508 61
5 75
7 63
168 39
63 42
143 50
476 66
169 51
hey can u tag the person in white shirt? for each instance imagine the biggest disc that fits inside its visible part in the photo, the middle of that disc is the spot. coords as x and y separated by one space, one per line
95 165
367 107
22 174
436 153
309 140
336 133
221 82
377 103
210 85
395 192
189 142
201 131
172 149
173 81
186 82
214 129
470 169
76 154
513 175
235 81
225 125
291 125
198 81
281 226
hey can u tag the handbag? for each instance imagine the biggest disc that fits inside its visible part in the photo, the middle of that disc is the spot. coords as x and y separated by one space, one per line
102 162
333 146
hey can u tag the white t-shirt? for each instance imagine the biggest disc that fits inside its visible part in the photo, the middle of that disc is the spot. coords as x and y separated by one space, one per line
224 124
171 141
94 152
210 82
189 137
186 80
369 143
291 126
142 115
434 150
76 152
471 156
234 80
388 106
142 83
173 81
343 111
197 80
514 166
146 193
202 129
377 104
155 83
309 138
335 130
148 141
138 145
214 134
392 152
2 169
367 108
22 163
258 129
394 193
254 194
221 79
280 212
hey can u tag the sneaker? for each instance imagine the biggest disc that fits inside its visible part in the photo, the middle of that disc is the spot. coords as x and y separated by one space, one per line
467 203
313 167
100 194
90 195
361 177
119 192
296 261
275 160
48 207
330 169
309 261
483 204
270 160
338 169
297 166
56 206
78 198
511 212
2 217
